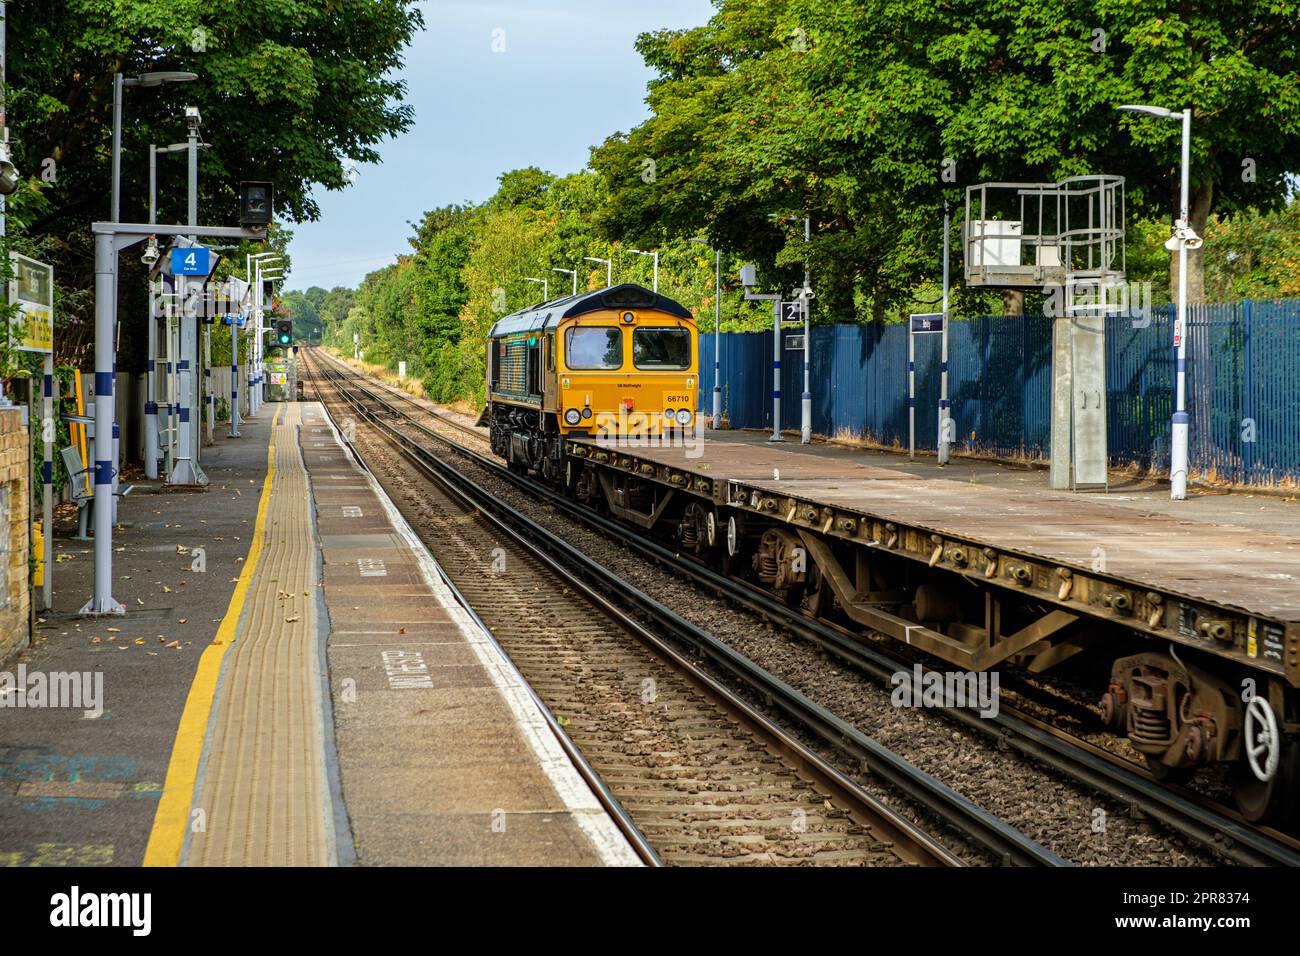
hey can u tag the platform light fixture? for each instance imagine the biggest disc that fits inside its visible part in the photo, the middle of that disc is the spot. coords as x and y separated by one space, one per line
609 268
573 273
546 287
1184 237
655 253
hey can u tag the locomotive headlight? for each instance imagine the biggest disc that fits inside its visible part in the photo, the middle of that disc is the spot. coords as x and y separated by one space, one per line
683 416
572 416
669 415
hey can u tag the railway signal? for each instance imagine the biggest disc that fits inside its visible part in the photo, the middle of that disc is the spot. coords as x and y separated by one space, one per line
284 331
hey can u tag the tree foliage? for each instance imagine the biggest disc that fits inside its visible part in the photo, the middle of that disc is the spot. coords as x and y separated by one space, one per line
866 116
290 91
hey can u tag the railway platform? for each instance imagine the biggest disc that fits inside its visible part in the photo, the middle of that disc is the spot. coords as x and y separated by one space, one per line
293 684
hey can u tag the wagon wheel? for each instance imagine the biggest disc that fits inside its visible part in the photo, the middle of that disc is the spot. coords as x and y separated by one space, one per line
735 557
792 595
1266 780
1174 776
821 599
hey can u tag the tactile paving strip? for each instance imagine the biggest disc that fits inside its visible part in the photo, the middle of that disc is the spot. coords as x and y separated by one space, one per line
264 792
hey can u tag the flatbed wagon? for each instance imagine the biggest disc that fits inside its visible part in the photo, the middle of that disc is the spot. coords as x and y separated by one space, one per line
1205 611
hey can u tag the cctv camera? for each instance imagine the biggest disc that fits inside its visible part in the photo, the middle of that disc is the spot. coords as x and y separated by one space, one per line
748 276
192 117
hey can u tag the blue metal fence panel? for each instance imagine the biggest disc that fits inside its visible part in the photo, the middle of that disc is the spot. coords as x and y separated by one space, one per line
1243 386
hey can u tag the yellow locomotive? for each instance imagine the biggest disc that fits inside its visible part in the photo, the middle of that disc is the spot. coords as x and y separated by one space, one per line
616 362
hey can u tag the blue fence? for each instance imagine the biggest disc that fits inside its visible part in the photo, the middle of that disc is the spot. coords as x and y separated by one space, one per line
1243 386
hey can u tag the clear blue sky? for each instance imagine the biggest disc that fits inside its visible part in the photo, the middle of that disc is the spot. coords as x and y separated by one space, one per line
569 76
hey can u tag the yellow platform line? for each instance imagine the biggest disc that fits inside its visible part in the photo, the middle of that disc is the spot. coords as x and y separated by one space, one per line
171 821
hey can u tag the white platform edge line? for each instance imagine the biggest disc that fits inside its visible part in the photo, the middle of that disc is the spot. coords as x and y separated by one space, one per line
609 842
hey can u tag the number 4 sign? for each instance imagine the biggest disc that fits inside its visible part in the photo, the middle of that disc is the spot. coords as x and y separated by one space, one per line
190 262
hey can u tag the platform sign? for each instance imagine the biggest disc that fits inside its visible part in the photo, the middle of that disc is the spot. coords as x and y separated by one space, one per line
31 328
191 261
924 323
927 322
791 313
794 343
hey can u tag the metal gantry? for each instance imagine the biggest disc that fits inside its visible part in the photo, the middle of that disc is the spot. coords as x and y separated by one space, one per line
110 239
1066 239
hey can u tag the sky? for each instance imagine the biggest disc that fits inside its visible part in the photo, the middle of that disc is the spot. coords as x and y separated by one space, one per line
567 78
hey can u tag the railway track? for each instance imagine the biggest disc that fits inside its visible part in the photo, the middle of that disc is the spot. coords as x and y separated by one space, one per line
1188 813
553 648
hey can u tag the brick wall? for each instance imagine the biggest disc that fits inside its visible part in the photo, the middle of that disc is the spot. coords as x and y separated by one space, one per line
14 498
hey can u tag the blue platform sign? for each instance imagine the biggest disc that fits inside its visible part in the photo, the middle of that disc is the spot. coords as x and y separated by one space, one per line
927 322
192 261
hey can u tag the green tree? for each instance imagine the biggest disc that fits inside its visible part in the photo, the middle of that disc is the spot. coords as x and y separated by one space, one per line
290 91
850 110
305 309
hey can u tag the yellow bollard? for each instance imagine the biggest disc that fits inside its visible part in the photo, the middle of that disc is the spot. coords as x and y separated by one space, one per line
38 552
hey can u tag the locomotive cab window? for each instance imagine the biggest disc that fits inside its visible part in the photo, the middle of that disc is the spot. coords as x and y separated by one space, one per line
534 368
593 348
661 349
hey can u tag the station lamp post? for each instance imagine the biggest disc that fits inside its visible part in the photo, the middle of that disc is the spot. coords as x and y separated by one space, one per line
638 252
8 185
609 269
120 82
1183 238
546 288
717 333
574 274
